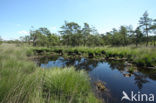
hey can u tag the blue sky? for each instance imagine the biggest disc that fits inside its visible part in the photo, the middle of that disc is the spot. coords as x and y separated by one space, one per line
17 16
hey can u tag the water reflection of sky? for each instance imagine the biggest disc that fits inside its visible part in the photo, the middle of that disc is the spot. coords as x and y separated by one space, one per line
58 63
111 73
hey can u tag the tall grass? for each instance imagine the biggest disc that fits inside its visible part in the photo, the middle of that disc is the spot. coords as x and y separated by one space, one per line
21 81
67 85
141 56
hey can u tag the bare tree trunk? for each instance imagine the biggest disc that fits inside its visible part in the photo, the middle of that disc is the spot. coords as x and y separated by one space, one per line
124 40
154 40
136 42
147 40
147 36
29 42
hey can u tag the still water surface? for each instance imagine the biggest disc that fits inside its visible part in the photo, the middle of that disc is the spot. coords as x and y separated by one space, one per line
112 74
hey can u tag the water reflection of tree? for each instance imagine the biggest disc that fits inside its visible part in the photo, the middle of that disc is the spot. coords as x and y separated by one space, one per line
151 73
90 64
45 59
82 63
116 65
152 76
140 79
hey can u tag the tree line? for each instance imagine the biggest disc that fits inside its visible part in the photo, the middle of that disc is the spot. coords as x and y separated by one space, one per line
72 34
0 40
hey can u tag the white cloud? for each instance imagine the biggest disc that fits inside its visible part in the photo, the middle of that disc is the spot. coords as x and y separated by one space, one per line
23 32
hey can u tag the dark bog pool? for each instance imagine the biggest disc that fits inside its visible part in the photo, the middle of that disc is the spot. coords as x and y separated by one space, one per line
139 85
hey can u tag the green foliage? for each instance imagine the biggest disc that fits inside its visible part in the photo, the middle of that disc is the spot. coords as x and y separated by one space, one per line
22 82
29 52
42 37
140 56
67 85
53 40
145 23
0 40
123 32
131 69
72 34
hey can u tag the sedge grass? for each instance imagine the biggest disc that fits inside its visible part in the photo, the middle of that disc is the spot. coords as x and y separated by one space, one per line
23 82
141 56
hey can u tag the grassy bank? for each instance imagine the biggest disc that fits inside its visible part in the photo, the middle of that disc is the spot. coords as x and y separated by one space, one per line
141 56
21 81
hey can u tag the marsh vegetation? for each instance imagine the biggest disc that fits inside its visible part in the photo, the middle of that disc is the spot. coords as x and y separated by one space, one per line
108 78
142 57
24 82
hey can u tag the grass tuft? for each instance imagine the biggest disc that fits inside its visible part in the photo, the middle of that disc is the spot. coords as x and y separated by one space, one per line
21 81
